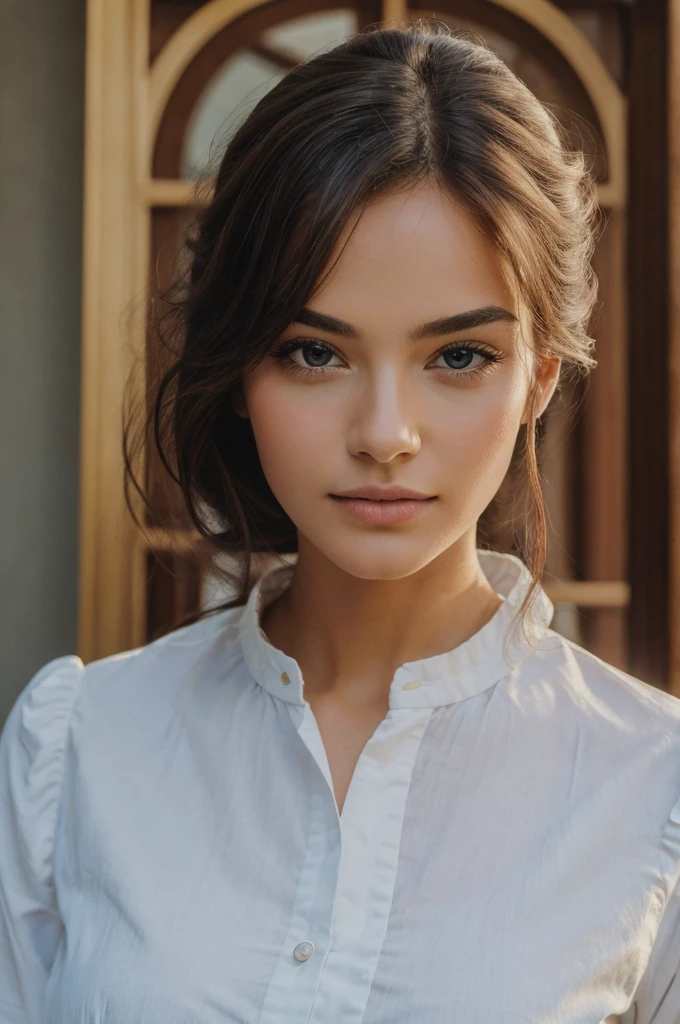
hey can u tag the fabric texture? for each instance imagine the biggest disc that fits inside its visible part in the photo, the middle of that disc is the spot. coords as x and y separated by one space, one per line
509 848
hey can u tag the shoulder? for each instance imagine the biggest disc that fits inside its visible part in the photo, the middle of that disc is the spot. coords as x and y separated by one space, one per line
65 697
33 748
102 710
616 738
136 693
604 718
603 689
169 656
35 730
186 642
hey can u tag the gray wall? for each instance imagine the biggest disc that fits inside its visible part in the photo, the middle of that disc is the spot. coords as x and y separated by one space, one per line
41 160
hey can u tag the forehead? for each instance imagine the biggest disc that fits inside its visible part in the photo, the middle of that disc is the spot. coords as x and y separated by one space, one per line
409 257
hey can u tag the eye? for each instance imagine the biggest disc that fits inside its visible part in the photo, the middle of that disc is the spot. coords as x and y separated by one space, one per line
313 353
310 355
460 357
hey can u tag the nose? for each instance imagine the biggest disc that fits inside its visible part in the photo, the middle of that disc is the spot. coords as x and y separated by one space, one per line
384 422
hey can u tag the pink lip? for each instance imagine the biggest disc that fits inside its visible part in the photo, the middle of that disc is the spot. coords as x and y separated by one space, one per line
383 506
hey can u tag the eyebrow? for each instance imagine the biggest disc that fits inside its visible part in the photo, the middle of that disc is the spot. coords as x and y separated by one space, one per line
466 321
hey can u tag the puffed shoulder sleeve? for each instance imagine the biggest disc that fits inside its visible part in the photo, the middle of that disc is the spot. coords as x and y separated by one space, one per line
32 749
657 997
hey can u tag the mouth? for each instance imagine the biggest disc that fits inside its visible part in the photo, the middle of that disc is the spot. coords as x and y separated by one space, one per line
383 506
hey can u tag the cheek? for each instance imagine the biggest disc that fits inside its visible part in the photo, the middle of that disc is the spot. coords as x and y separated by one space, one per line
477 433
294 432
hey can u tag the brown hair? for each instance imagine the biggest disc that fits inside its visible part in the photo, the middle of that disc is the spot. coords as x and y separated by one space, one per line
382 111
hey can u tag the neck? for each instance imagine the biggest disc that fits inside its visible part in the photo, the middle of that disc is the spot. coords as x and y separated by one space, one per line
349 635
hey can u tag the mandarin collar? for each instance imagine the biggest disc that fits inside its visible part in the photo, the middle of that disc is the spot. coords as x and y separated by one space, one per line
440 679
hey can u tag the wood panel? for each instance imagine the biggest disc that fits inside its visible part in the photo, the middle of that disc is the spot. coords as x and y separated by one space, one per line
168 228
674 344
115 244
648 291
604 552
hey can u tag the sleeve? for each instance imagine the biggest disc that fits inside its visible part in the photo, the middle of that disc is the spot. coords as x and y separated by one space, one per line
32 750
657 997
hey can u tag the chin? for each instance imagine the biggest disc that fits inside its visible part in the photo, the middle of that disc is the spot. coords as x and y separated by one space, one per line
379 558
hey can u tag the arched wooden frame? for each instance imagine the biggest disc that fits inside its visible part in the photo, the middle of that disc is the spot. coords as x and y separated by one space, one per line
603 92
125 102
198 72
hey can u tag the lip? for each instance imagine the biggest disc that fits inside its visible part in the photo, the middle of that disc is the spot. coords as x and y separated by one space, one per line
383 506
377 492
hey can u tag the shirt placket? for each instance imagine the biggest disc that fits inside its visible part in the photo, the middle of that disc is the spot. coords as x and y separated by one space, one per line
296 977
347 880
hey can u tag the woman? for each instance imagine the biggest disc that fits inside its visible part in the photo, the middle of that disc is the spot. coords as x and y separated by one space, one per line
376 787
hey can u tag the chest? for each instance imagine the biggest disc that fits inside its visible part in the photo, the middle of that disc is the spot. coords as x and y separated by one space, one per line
455 886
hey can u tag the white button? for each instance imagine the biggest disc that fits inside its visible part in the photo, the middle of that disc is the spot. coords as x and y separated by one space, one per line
413 685
303 951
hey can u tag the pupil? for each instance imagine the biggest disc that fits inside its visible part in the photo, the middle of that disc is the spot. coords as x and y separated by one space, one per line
459 358
317 355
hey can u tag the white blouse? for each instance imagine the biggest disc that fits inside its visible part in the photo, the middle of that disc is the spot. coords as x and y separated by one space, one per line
508 852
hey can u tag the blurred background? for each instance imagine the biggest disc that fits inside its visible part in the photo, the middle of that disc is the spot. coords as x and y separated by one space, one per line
113 112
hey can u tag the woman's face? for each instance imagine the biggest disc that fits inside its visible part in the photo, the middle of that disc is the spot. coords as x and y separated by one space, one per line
372 388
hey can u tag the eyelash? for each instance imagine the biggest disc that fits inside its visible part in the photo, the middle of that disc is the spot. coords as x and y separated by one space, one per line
490 356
